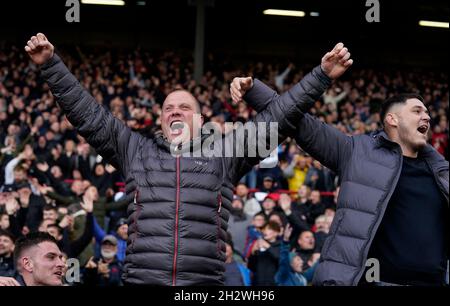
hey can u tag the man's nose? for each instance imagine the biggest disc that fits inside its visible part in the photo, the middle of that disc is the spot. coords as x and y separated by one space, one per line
61 263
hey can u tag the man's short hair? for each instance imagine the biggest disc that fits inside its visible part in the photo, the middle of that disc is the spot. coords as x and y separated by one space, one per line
50 207
394 100
197 103
59 228
7 234
273 226
28 241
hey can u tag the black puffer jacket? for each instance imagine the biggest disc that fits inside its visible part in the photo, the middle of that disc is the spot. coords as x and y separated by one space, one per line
179 206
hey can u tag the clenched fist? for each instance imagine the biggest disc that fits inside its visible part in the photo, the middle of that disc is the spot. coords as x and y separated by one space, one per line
39 49
239 87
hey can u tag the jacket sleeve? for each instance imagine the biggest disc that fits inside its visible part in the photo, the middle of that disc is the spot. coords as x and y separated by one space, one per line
284 110
296 221
309 273
99 233
110 137
284 266
322 141
77 246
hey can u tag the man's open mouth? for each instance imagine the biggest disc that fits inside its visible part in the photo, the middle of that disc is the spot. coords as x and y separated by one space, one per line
423 129
176 127
58 273
176 124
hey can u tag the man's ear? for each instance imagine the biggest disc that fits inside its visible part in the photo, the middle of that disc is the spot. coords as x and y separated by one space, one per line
27 264
391 119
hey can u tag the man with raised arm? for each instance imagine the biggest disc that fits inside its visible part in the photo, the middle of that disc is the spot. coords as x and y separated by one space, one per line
393 202
179 206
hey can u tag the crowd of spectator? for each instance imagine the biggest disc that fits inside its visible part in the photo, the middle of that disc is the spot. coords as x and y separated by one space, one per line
52 181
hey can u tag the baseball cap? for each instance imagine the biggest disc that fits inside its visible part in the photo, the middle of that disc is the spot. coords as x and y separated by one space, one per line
111 239
268 178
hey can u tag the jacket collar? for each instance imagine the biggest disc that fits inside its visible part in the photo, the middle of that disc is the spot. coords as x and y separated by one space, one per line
427 152
194 145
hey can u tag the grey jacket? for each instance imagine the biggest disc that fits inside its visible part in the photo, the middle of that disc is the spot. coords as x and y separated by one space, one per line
179 206
369 167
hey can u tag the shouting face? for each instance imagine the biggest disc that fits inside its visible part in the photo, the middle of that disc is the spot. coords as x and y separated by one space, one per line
177 120
411 122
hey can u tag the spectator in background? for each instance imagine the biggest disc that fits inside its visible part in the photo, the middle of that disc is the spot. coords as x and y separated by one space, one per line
304 193
306 249
120 233
313 208
269 204
107 269
39 261
296 172
237 224
265 256
321 229
319 177
251 205
294 215
268 184
61 232
290 271
7 268
254 231
4 221
236 274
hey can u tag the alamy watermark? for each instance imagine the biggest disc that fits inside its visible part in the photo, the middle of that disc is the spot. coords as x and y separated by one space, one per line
373 13
252 139
73 13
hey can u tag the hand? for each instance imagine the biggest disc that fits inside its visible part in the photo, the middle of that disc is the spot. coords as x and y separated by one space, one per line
263 244
24 197
91 264
314 258
11 205
287 233
87 204
239 87
66 221
103 268
8 281
45 189
42 166
336 62
39 49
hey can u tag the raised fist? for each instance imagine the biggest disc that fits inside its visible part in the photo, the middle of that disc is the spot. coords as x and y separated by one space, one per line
39 49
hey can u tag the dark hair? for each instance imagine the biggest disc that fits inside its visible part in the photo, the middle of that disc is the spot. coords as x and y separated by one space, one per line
273 226
30 240
394 100
7 234
198 105
50 207
282 217
59 228
260 214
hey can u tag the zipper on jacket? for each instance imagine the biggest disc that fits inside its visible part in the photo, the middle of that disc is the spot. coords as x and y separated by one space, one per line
219 201
380 217
177 206
136 216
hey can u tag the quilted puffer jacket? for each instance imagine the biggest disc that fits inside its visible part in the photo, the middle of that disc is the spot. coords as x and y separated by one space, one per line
179 206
